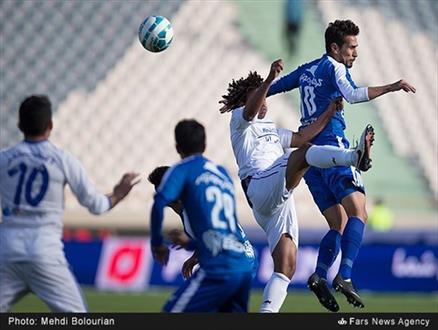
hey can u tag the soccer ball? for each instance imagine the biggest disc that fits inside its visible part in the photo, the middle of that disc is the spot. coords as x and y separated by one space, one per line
155 33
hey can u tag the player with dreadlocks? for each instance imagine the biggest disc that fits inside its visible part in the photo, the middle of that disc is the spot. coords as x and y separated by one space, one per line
269 171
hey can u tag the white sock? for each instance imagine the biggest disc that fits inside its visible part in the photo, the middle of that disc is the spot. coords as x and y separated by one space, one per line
330 156
274 293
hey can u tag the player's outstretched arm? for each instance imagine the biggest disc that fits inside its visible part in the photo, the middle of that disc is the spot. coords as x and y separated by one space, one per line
307 133
402 84
123 188
256 100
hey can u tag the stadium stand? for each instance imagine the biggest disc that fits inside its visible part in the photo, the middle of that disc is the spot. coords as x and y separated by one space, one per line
116 104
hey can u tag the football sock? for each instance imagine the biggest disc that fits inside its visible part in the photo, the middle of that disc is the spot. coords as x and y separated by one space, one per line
350 244
274 293
328 251
330 156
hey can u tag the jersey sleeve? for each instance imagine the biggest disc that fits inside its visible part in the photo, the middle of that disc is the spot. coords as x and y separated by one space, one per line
237 121
83 188
285 136
286 83
342 80
169 190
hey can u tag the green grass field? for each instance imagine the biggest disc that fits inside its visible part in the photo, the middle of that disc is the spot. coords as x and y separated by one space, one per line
298 301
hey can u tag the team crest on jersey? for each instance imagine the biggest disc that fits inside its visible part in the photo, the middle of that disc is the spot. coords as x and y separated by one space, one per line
312 69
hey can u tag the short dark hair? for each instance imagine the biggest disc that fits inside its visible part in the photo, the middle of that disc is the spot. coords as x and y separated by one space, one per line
190 137
337 31
35 114
156 175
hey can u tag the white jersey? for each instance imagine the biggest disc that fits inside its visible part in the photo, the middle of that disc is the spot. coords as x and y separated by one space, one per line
257 144
33 176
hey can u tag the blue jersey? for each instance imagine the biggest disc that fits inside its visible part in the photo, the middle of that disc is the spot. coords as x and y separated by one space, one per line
207 194
320 82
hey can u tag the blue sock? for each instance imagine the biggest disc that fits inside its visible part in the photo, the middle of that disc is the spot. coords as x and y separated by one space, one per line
350 245
328 251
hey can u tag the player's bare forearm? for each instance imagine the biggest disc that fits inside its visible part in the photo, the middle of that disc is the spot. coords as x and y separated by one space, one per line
307 133
374 92
255 101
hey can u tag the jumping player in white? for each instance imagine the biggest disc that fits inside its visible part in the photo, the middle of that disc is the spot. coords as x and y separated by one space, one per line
269 174
33 175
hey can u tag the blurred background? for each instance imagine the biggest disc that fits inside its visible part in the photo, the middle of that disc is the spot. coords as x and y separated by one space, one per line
116 106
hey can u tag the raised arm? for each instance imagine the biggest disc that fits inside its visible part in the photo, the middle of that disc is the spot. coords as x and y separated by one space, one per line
307 133
257 98
374 92
286 83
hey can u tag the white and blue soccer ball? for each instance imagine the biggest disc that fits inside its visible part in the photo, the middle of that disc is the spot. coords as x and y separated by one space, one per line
155 33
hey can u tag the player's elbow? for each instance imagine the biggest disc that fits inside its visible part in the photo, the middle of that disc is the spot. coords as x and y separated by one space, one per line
357 95
349 100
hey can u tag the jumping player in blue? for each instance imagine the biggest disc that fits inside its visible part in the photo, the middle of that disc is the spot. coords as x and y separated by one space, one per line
223 281
338 191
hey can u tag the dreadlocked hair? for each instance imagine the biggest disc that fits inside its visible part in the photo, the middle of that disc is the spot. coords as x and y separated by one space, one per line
238 90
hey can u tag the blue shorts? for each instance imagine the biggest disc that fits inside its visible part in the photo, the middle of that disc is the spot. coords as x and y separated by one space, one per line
203 293
329 186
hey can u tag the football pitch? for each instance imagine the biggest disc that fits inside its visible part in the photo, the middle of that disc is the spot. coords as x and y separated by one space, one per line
297 301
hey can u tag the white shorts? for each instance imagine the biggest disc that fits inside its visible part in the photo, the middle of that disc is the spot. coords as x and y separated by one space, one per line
52 281
272 204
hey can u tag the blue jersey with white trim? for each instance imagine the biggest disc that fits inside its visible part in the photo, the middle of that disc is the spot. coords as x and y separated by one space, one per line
207 194
320 82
